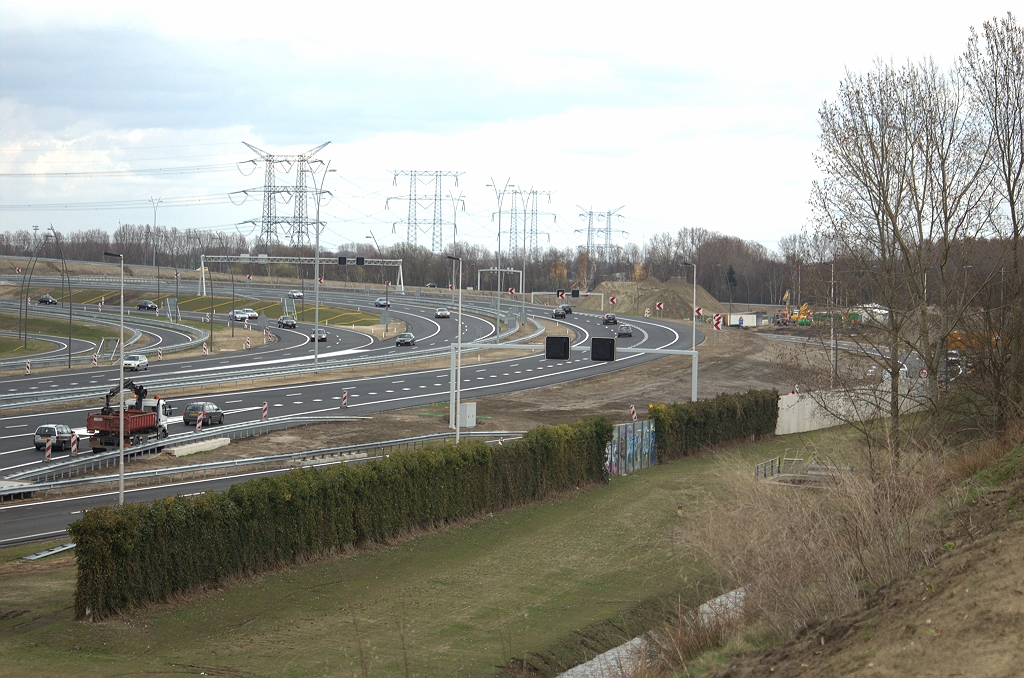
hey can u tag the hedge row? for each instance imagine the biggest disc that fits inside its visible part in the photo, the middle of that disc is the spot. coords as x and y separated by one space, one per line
138 553
684 428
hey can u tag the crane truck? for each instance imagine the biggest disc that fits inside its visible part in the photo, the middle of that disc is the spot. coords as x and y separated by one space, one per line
144 420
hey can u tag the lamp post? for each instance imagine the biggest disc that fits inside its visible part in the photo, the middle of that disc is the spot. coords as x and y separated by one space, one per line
385 317
231 271
67 274
693 340
120 343
156 203
316 267
458 356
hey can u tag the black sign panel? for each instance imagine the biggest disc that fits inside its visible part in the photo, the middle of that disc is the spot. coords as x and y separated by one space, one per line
556 348
602 349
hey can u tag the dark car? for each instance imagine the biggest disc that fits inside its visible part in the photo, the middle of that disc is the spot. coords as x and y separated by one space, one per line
624 331
610 319
430 285
146 305
318 335
46 300
405 339
381 302
59 436
558 312
286 321
211 413
567 308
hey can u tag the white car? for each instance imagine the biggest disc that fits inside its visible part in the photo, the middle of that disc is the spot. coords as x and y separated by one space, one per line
295 294
251 314
442 313
136 362
238 315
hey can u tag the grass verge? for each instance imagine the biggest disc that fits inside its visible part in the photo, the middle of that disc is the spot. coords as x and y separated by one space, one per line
460 601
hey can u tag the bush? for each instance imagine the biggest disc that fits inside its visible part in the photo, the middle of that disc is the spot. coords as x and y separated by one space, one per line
137 553
684 428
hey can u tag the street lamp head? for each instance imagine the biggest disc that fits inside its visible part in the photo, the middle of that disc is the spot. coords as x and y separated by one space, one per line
113 254
454 258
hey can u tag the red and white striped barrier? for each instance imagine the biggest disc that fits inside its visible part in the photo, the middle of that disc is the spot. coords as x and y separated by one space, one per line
74 445
199 422
206 351
28 367
344 398
266 410
245 324
49 448
247 346
159 354
95 359
632 412
206 318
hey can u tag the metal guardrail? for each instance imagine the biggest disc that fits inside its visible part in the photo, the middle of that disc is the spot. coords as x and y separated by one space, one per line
317 457
19 400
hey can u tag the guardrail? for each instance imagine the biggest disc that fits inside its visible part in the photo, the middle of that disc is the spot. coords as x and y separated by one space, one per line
318 457
240 374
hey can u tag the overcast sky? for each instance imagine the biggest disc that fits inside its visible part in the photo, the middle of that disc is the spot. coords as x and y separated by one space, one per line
685 114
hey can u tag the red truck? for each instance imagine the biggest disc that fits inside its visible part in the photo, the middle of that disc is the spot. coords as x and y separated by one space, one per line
143 422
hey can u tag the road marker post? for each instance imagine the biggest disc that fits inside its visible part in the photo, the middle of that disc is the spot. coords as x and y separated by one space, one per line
247 343
49 447
74 444
266 411
206 351
28 367
199 422
95 359
159 354
632 412
344 397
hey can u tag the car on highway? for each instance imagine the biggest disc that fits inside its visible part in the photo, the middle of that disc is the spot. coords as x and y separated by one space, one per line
430 285
238 315
318 335
405 339
381 302
610 319
136 362
623 331
295 294
442 313
46 300
559 312
286 321
210 412
567 308
59 436
146 305
252 315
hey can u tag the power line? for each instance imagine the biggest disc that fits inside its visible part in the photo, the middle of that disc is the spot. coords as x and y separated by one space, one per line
416 201
192 169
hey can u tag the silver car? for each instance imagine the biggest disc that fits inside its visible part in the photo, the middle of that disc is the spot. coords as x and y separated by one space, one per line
59 435
136 362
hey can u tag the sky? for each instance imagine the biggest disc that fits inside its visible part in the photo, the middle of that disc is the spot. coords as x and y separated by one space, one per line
682 114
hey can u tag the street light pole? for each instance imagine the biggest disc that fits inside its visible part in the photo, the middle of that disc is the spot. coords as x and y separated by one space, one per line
67 274
156 202
316 268
458 357
500 196
120 437
385 317
693 340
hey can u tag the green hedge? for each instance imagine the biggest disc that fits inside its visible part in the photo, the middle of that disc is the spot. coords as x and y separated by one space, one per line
684 428
138 553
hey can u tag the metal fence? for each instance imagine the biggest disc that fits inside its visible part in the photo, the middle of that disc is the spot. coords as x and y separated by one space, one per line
632 448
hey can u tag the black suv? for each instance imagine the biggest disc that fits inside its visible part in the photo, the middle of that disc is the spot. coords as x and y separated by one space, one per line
147 305
46 300
286 321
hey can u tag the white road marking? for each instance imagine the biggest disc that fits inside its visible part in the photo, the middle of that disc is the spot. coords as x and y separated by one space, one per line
20 425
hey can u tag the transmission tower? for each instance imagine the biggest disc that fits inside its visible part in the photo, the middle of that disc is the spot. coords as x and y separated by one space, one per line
523 215
608 227
298 224
422 201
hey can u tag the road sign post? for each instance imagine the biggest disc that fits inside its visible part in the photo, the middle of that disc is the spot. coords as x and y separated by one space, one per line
266 411
159 354
206 351
95 359
74 444
28 367
199 422
344 397
49 448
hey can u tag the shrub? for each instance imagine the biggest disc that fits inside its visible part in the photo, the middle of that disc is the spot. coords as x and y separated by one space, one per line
684 428
137 553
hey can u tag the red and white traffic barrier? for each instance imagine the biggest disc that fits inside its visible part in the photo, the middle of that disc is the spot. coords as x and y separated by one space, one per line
49 448
266 410
199 422
95 359
159 354
344 398
74 445
206 318
632 412
247 346
28 367
245 324
206 351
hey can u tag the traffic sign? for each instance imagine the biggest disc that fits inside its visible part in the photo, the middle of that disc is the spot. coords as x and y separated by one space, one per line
206 351
718 321
249 278
95 359
28 367
344 397
247 346
199 422
647 312
74 444
159 354
511 290
923 374
451 287
698 312
660 306
266 411
612 301
632 412
320 280
18 271
560 293
49 446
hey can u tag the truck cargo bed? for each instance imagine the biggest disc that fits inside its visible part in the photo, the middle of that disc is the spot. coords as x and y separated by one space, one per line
134 420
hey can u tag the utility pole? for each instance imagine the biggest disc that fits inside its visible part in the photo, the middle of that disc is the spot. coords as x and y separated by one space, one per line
413 222
500 197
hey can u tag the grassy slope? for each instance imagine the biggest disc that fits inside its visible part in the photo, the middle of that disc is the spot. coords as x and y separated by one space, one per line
469 597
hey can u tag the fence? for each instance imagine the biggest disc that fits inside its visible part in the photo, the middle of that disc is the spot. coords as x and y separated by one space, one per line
632 448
